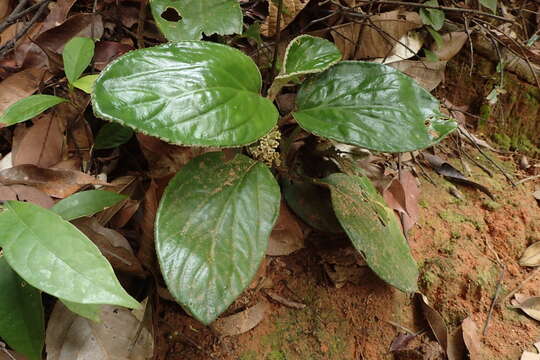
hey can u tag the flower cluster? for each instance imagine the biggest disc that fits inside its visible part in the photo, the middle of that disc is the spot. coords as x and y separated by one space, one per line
265 149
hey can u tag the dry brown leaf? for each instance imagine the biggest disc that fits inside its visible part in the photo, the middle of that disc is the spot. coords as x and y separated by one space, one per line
119 336
287 235
25 193
428 74
241 322
112 245
10 32
356 41
452 44
5 9
42 144
402 196
126 185
146 253
531 256
536 195
435 321
408 46
58 14
471 336
20 85
57 183
291 8
527 355
107 51
122 217
529 304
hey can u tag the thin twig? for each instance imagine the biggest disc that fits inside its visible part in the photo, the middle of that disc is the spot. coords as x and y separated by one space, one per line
533 274
14 16
140 24
528 179
494 300
277 39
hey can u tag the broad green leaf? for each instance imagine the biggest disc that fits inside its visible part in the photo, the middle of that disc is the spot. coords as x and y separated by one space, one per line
27 108
187 93
212 230
312 204
307 55
372 106
432 17
89 311
373 229
21 314
189 19
490 4
54 256
77 55
86 203
112 135
86 83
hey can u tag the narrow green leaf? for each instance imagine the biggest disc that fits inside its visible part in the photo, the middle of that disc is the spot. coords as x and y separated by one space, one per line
86 83
21 314
86 203
54 256
187 93
189 19
77 55
89 311
437 37
112 135
432 17
490 4
309 55
373 229
371 105
27 108
212 230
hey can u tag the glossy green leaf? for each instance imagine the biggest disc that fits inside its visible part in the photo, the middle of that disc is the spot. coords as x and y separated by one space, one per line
189 19
432 17
86 203
212 230
27 108
21 314
490 4
372 106
373 229
112 135
77 55
54 256
188 93
89 311
86 83
308 55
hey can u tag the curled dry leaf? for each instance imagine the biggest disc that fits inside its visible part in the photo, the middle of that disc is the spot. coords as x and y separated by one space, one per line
119 336
241 322
471 337
402 196
107 51
435 321
378 40
531 256
291 8
287 235
284 301
408 46
529 304
428 74
126 185
21 85
112 245
57 183
25 193
452 44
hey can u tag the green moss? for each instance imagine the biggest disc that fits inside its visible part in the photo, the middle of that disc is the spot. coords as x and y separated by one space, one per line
248 355
485 114
276 355
502 140
423 203
491 205
523 144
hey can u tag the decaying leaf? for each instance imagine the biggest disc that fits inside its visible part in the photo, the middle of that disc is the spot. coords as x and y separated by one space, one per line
471 336
408 46
527 355
20 85
241 322
112 245
357 41
287 235
291 8
402 196
428 74
529 304
125 185
119 336
58 183
435 321
25 193
536 195
531 256
452 44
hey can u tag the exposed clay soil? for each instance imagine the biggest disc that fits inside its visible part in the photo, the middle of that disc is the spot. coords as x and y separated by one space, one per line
456 244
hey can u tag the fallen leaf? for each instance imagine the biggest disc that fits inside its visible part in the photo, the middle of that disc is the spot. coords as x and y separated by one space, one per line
43 143
471 337
112 245
119 336
429 74
529 304
290 9
58 14
435 321
146 253
107 51
25 193
377 40
401 341
452 44
402 196
58 183
408 46
527 355
531 256
536 195
287 235
8 34
241 322
5 9
125 185
122 217
20 85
